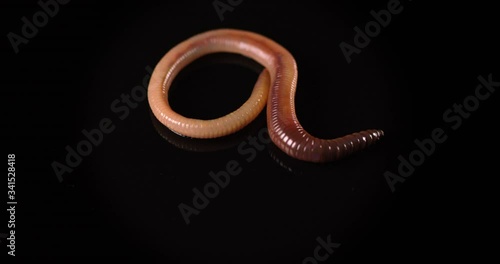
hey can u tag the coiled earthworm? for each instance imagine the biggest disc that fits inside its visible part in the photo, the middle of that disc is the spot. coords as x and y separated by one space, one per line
276 84
221 143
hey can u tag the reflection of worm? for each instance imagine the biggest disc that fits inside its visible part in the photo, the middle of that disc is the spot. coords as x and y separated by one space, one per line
280 75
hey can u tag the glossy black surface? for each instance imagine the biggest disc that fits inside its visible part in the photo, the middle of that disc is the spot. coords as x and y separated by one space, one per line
122 200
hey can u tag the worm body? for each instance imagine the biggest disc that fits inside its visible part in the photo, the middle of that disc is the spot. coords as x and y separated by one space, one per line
275 87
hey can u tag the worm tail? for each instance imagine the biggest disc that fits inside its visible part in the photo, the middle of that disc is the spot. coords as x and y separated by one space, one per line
305 147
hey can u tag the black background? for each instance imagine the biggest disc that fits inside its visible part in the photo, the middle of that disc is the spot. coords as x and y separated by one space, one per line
121 201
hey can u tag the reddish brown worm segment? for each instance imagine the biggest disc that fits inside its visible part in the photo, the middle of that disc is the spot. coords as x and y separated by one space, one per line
276 84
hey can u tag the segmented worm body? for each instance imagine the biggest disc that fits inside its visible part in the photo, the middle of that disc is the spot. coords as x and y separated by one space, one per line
275 87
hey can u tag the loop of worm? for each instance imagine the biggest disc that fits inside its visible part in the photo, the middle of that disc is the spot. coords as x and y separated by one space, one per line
275 87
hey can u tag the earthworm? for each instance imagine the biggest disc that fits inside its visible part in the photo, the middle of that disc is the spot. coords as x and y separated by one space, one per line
216 144
276 84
